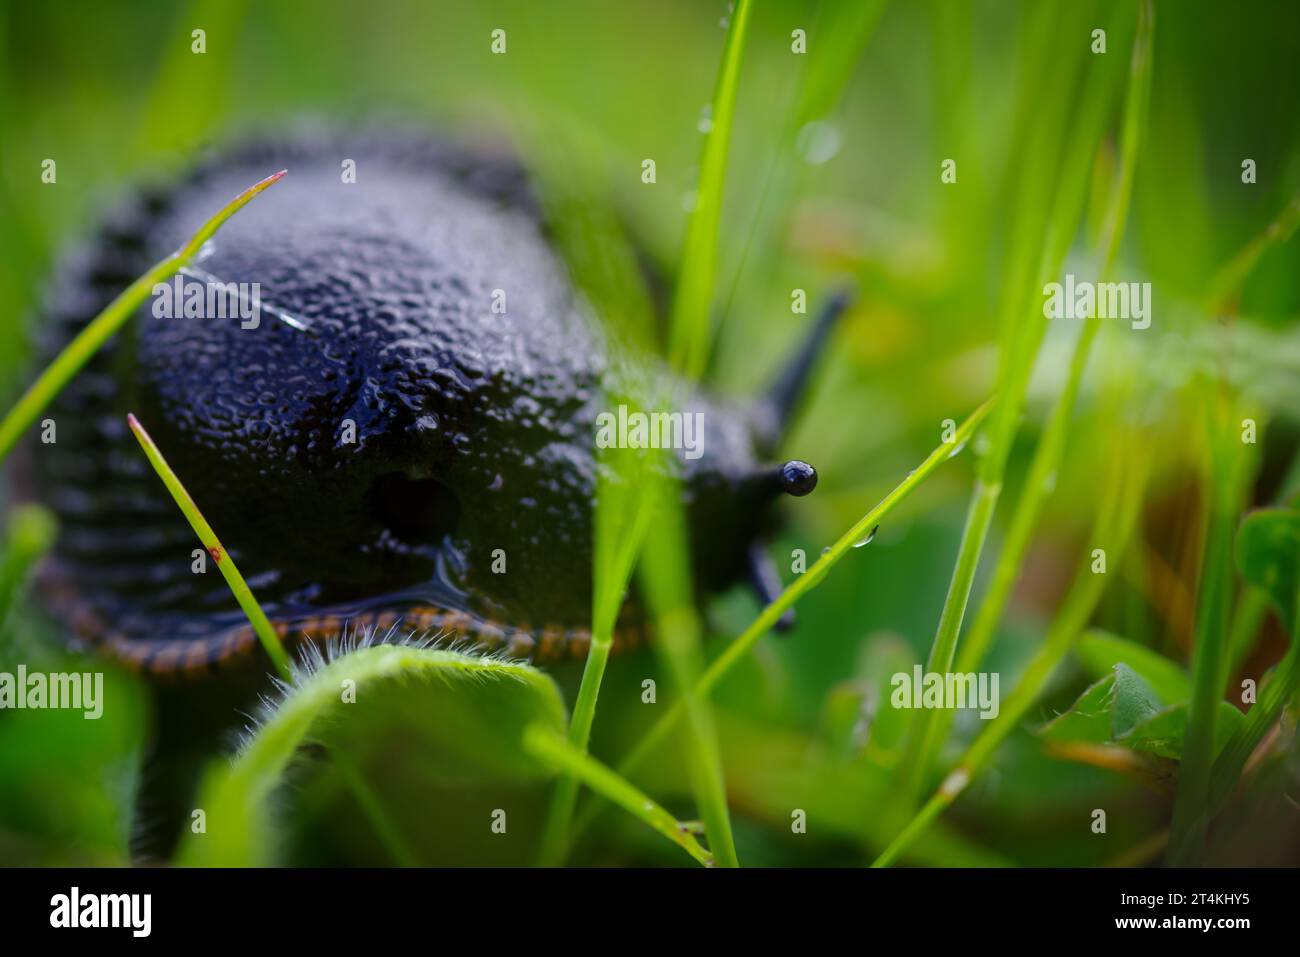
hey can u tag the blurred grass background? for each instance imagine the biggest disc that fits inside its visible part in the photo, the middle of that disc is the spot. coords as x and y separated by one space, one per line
834 172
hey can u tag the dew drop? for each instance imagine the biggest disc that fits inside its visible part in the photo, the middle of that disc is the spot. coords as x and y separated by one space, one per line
958 446
705 123
866 540
817 142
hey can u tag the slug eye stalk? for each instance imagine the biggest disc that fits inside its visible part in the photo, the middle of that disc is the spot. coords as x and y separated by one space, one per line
785 394
794 477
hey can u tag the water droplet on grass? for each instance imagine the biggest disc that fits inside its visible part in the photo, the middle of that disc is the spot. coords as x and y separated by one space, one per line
817 142
866 539
705 123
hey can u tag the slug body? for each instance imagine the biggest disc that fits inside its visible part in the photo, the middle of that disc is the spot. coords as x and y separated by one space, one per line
381 446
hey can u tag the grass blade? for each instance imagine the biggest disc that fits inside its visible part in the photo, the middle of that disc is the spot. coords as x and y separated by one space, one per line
691 320
373 808
1023 324
546 745
622 519
809 580
1051 447
666 582
102 328
1116 515
689 338
1226 283
1280 689
745 643
1210 654
843 32
238 587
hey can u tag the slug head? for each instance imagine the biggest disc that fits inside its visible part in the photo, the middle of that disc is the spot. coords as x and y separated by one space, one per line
732 496
731 489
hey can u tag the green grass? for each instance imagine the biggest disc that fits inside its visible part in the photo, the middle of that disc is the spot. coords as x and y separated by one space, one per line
666 583
220 555
621 527
1050 450
744 644
691 321
549 746
1046 220
622 521
1115 516
1068 161
1039 481
1225 480
90 340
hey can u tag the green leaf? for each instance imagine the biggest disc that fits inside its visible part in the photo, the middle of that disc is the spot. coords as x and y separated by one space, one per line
1088 720
468 713
1100 652
1268 556
1162 733
1124 709
1134 701
1106 711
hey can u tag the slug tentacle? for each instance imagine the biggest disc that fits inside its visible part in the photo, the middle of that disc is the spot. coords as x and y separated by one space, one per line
779 405
767 582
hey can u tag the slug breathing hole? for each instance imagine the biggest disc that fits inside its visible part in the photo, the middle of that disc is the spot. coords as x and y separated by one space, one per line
417 511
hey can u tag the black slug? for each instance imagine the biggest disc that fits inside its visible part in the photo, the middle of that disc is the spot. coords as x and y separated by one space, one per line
407 433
